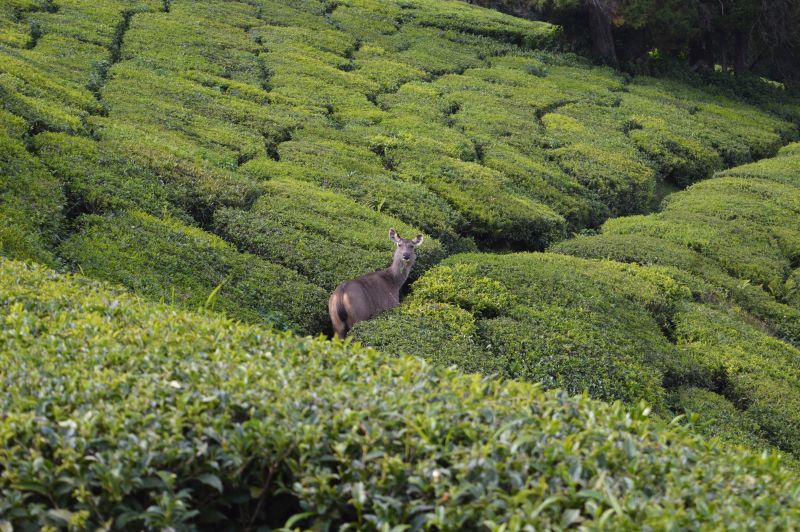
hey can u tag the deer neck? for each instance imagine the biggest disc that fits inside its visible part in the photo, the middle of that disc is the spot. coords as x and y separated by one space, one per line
399 270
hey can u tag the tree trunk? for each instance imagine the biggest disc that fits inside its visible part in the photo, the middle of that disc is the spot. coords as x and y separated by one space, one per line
741 52
600 28
701 54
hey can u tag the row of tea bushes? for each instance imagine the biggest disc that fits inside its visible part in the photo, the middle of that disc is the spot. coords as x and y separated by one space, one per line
759 374
568 323
738 232
734 238
322 235
433 117
701 294
169 261
194 421
31 199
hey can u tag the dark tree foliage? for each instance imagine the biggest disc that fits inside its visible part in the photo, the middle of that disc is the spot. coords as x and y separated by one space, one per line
760 37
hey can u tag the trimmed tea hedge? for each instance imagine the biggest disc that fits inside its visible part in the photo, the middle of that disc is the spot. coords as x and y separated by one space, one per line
716 417
99 180
565 322
759 373
712 288
166 260
31 199
195 421
451 118
323 235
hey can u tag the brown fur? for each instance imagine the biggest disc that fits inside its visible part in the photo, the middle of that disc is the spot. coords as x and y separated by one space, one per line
361 299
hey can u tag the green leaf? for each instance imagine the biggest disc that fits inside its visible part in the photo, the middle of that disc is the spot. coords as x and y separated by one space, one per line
212 480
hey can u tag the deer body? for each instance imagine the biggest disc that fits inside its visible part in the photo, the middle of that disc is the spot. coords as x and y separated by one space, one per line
371 294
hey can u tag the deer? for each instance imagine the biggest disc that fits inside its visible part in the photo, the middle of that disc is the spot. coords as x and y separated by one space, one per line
362 298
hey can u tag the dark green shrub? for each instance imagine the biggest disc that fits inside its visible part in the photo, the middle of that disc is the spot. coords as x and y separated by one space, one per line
194 421
168 261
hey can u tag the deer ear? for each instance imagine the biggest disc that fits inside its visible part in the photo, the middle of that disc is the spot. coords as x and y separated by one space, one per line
393 236
417 240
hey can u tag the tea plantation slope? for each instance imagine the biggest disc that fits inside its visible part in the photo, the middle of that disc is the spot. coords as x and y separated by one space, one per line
702 294
192 420
735 239
430 116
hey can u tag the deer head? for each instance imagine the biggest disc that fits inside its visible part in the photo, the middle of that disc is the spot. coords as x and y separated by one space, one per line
404 255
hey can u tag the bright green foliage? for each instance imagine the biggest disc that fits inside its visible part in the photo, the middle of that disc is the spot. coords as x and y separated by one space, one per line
759 373
716 417
98 180
222 48
790 149
731 243
748 227
199 187
323 235
93 22
194 421
13 29
706 279
446 116
360 174
31 201
566 322
732 239
785 168
44 102
166 260
300 131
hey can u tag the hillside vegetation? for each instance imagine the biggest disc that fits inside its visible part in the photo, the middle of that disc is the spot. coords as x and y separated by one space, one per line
702 294
298 131
121 413
182 184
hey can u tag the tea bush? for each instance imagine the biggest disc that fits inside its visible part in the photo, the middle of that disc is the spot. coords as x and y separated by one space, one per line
90 21
359 174
716 417
323 235
446 117
451 108
783 168
300 131
783 319
569 323
756 371
31 200
750 240
98 180
194 421
166 260
712 293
